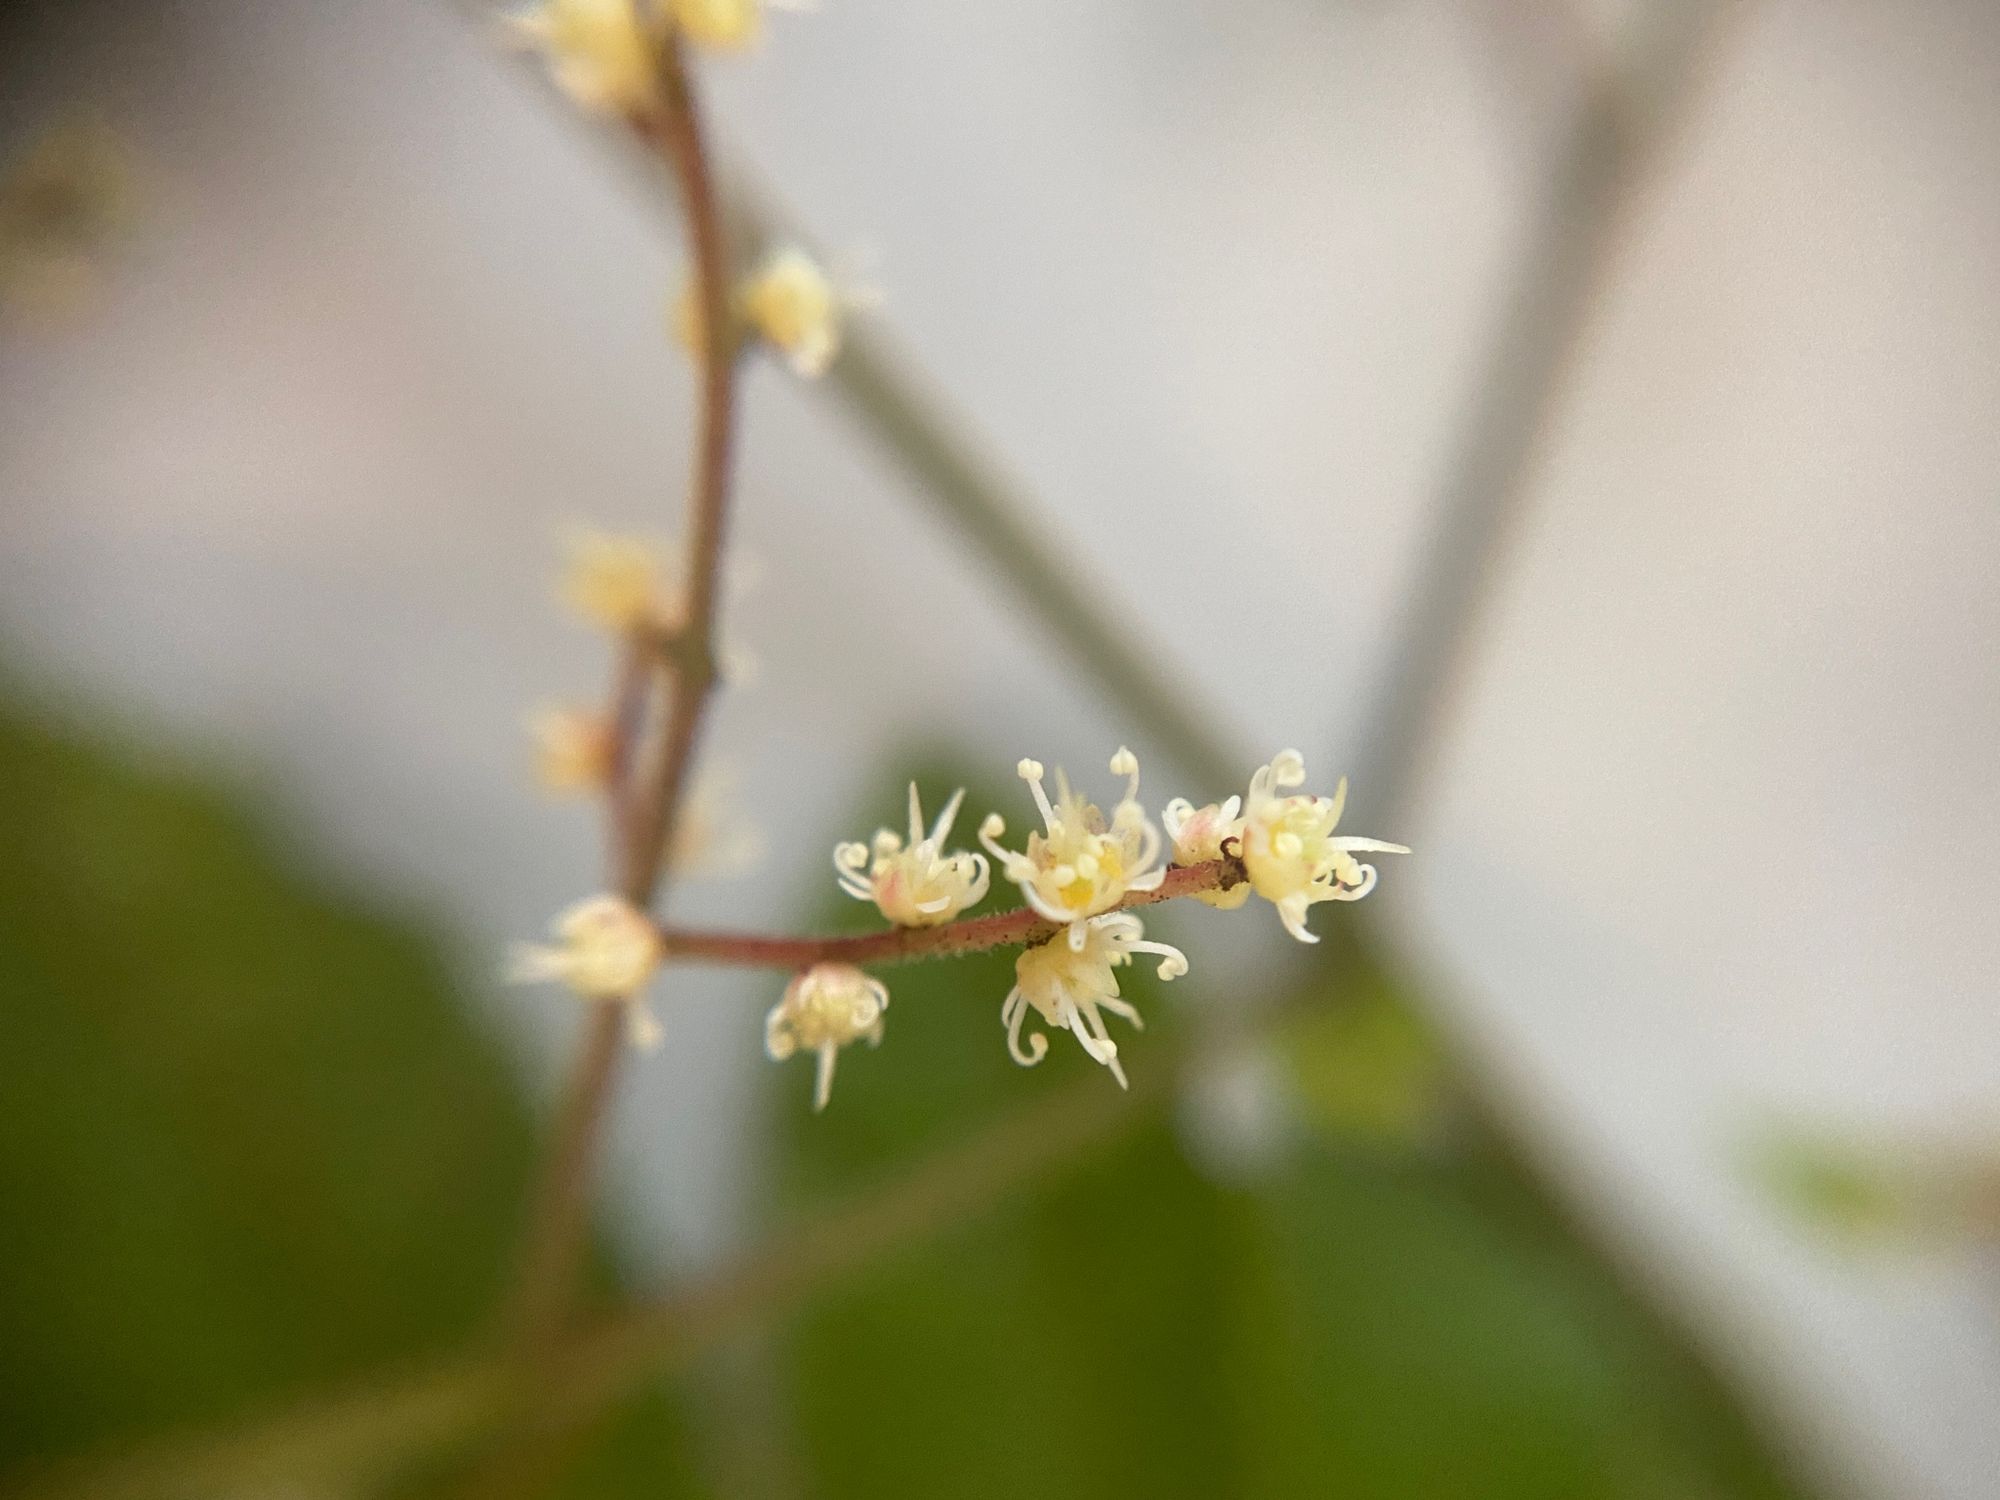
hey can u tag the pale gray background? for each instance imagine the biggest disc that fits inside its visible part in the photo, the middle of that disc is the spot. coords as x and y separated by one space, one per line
1714 835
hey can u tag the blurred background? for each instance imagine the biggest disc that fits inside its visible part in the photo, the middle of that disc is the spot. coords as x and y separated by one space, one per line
1576 420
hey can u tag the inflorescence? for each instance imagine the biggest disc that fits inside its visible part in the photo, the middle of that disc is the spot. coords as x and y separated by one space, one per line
1078 875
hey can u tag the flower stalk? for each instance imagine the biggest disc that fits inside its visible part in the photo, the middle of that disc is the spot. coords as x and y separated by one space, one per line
646 801
1020 927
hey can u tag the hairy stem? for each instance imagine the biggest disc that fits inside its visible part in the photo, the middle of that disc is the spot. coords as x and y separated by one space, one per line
1003 929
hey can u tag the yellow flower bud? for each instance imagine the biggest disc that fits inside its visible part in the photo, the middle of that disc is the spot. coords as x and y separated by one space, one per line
602 53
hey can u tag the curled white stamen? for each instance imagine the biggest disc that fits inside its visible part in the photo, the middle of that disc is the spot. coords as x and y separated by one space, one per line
1012 1009
1069 981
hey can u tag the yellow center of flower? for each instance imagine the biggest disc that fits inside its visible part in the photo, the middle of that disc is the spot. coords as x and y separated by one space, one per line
1288 846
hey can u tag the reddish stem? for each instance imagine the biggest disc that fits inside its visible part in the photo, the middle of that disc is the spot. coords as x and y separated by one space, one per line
1006 929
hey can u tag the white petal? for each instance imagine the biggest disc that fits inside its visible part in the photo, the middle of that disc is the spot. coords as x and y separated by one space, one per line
829 1054
1292 912
946 818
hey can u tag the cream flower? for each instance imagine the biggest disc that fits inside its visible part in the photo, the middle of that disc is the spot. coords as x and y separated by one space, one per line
824 1009
573 750
1289 850
794 306
602 53
789 303
1080 864
606 949
622 583
1072 977
915 885
1198 834
726 25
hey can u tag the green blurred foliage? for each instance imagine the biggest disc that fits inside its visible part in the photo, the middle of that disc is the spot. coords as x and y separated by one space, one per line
1861 1189
252 1147
250 1143
1380 1313
1837 1186
1367 1066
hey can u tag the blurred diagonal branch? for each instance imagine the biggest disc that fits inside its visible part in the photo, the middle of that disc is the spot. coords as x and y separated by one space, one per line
1603 172
951 473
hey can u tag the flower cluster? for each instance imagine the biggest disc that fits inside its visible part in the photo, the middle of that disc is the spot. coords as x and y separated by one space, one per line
1079 875
1083 866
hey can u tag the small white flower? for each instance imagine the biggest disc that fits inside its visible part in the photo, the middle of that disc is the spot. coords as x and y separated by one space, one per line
823 1009
1072 977
1289 850
602 53
1081 864
606 950
918 884
1198 834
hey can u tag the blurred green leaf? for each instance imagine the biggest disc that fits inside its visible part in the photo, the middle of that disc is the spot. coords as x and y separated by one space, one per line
250 1144
1366 1321
1367 1066
1837 1185
1881 1191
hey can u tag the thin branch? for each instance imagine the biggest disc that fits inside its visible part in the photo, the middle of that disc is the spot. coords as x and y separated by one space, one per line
676 133
950 473
1005 929
650 812
1601 179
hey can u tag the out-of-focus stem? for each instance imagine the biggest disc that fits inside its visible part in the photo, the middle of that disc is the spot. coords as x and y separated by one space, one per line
1627 117
948 472
649 811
